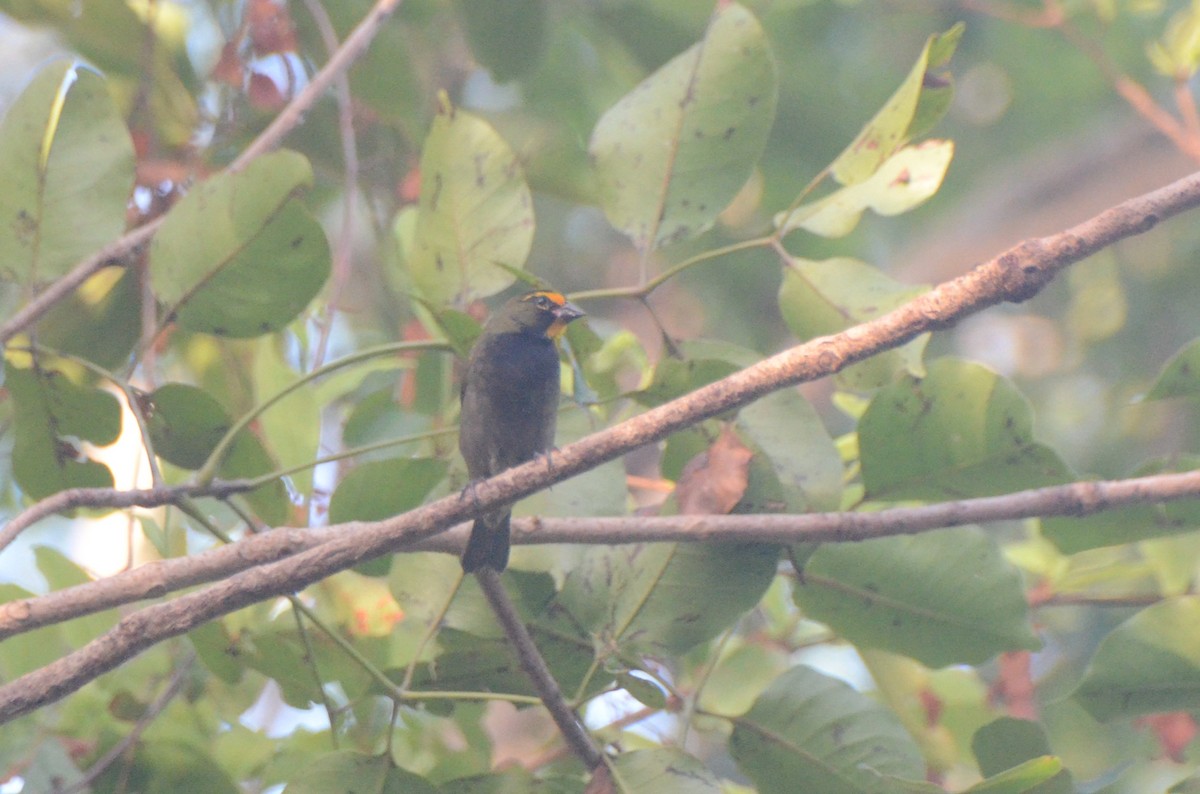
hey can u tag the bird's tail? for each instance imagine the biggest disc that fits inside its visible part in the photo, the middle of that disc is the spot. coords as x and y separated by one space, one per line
488 545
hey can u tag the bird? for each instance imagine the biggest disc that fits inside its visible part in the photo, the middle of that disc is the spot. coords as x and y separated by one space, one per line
510 394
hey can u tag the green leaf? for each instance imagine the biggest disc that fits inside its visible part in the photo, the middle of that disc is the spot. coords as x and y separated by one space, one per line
1180 376
905 181
422 582
961 431
940 597
1013 753
62 572
508 37
1043 775
740 678
100 321
36 648
642 690
282 656
187 423
67 161
827 297
662 771
786 430
601 491
475 216
674 377
672 154
1148 664
666 598
1128 524
351 772
113 37
381 489
240 255
810 732
48 766
52 414
898 121
167 765
216 649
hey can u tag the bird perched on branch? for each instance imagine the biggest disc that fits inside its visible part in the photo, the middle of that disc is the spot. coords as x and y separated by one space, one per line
509 404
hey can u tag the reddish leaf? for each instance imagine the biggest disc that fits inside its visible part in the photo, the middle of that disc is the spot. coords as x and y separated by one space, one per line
715 480
1175 732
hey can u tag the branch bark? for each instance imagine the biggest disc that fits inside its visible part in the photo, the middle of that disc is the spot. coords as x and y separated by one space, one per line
572 730
1015 275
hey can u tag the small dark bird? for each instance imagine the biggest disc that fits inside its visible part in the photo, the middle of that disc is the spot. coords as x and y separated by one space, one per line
509 405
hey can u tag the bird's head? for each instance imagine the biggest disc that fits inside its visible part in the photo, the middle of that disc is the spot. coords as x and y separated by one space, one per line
541 313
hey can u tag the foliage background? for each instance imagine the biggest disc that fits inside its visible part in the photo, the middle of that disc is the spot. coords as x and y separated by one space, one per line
1042 138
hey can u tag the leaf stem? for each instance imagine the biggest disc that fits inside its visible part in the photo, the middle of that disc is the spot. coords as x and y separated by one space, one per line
208 471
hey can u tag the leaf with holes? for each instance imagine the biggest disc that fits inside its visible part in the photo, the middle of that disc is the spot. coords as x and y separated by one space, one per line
475 217
672 154
905 181
911 111
240 255
67 161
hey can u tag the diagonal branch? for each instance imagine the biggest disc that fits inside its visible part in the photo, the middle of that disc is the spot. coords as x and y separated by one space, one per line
572 730
1016 275
73 498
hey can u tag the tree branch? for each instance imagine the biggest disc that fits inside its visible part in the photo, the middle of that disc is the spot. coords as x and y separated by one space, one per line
73 498
1016 275
572 730
120 249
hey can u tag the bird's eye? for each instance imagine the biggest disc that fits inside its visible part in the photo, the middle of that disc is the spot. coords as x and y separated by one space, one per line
543 302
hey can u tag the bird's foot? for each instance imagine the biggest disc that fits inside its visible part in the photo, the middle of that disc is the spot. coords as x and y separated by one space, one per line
548 454
470 488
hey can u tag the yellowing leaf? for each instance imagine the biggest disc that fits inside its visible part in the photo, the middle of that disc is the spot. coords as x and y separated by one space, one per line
910 177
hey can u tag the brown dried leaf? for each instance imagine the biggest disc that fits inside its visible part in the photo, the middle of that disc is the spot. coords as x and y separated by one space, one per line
715 480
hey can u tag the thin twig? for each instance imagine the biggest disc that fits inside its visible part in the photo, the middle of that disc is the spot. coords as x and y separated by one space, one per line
291 116
74 498
573 732
345 241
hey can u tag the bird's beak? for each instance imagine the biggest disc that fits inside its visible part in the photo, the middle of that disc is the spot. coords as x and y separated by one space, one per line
568 312
562 316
